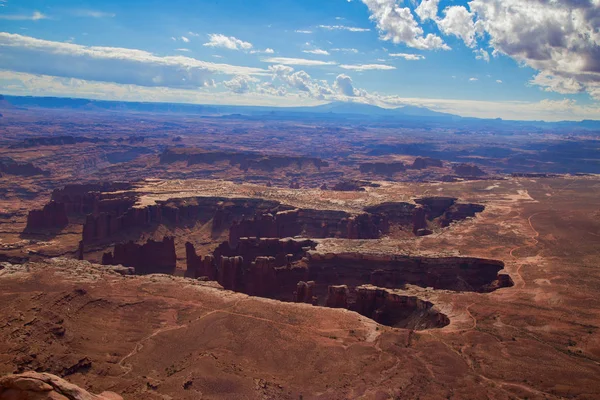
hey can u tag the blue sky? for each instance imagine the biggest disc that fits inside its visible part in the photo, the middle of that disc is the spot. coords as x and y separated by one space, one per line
488 58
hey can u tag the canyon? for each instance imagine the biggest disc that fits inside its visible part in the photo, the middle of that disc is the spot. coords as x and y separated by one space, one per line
166 255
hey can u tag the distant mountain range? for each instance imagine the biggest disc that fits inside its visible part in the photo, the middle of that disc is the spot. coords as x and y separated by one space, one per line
405 116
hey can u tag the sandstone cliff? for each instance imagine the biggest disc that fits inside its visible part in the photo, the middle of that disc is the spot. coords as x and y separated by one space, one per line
149 258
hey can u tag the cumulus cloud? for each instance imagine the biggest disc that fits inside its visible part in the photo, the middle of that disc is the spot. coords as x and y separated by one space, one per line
366 67
398 25
303 31
239 84
473 79
344 28
296 61
498 81
559 38
319 52
458 21
408 56
186 40
343 84
35 16
227 42
427 10
108 64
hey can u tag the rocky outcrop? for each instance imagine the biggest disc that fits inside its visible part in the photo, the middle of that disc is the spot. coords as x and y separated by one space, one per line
426 162
459 212
337 296
436 206
177 212
310 223
149 258
468 170
283 250
95 198
244 161
400 311
382 168
197 266
44 386
395 271
304 293
231 273
53 216
9 166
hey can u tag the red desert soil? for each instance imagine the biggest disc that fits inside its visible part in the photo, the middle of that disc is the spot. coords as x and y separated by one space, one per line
160 336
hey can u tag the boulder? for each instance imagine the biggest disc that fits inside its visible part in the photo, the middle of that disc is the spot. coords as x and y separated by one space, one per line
44 386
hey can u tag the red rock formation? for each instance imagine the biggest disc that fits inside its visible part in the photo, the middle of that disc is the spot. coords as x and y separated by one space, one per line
390 271
44 386
419 221
397 310
261 280
197 266
149 258
436 206
9 166
80 250
230 273
468 170
426 162
245 161
337 296
459 212
90 198
304 292
52 216
366 226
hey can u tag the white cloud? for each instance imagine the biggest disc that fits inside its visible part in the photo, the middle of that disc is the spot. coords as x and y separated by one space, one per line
94 14
346 50
186 40
343 28
559 38
108 64
303 31
398 25
473 79
408 56
265 51
552 83
183 49
367 67
193 34
269 94
239 84
481 54
35 16
227 42
498 81
343 84
296 61
458 21
317 52
428 9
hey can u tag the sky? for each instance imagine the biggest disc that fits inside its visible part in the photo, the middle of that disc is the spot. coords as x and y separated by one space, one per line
511 59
